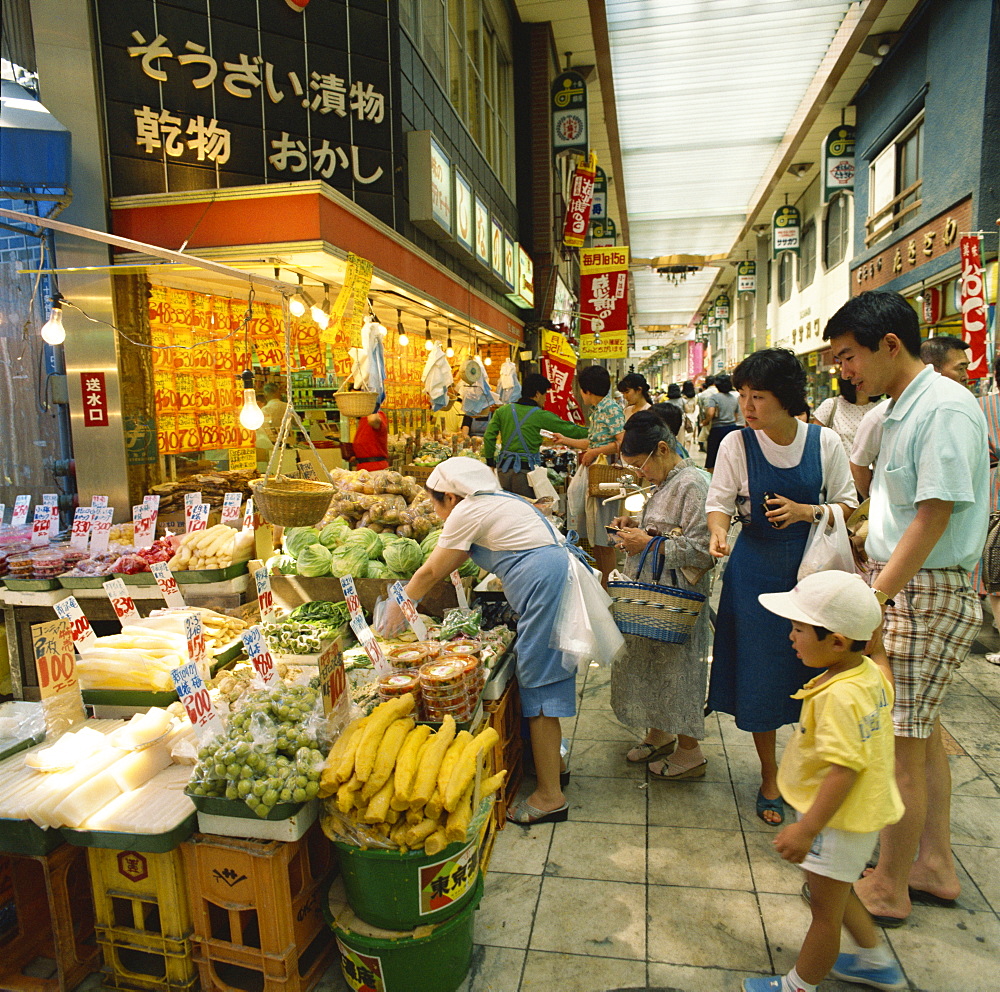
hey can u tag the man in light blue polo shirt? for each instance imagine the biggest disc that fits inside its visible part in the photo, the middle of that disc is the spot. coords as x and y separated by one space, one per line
927 527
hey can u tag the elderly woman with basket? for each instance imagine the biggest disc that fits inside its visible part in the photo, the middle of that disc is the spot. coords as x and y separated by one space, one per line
660 684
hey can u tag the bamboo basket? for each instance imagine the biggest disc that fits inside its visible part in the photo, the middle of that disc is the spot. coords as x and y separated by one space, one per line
356 404
598 474
287 502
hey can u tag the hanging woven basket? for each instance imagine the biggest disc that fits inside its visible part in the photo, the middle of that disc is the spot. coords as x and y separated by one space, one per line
288 502
356 404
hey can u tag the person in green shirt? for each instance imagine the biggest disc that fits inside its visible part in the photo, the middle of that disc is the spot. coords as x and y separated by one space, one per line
519 427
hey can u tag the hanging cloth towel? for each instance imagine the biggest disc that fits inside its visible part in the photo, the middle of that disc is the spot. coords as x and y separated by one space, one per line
510 387
437 378
370 358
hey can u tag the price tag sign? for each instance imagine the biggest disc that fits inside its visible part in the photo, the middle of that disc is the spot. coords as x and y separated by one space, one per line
79 534
121 601
55 660
145 527
367 640
196 701
333 680
99 502
231 508
265 598
51 500
20 517
351 597
194 631
191 499
82 633
248 515
456 581
409 610
40 526
100 529
260 657
241 459
167 585
196 517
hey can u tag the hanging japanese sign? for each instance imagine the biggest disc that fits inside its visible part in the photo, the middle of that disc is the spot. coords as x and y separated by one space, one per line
974 306
246 93
603 233
569 113
604 302
558 365
695 359
722 307
599 210
93 390
581 195
838 161
785 227
746 277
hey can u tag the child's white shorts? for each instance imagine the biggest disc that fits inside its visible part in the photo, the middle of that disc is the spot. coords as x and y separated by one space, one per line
840 854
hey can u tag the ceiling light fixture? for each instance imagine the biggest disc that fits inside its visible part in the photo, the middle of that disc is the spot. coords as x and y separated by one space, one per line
403 338
800 169
321 313
53 331
449 351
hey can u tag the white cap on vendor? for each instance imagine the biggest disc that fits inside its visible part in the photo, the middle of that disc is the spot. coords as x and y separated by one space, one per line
842 602
463 477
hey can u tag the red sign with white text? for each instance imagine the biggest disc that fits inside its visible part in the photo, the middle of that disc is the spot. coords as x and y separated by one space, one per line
95 399
974 306
581 199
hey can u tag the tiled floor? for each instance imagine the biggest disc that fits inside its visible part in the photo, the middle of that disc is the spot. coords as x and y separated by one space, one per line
675 885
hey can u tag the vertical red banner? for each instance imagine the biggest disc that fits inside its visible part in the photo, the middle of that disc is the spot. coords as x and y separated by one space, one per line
581 199
974 306
95 399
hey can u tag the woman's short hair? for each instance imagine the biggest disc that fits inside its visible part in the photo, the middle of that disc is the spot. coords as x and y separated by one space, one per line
534 384
777 371
671 414
674 391
688 390
848 390
594 379
724 384
644 431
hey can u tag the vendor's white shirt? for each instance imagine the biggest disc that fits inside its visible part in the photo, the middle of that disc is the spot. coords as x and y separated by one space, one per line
868 439
730 479
497 523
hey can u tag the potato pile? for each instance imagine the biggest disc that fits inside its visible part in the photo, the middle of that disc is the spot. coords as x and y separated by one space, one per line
217 547
406 782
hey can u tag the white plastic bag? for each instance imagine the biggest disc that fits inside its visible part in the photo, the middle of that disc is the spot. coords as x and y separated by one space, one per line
538 479
827 547
584 629
576 501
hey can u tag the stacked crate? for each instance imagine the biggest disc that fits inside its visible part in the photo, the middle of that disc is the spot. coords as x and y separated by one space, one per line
505 718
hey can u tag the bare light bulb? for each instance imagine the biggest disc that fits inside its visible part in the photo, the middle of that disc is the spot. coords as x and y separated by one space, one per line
53 331
251 416
449 351
321 317
487 360
428 344
297 307
404 339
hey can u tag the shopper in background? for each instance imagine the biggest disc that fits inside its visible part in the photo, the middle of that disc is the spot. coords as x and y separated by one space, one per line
844 412
654 685
690 411
635 393
949 356
990 405
926 530
590 515
370 446
775 474
273 410
720 415
518 426
708 390
475 426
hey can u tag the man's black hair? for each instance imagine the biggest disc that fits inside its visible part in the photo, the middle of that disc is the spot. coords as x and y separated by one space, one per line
934 351
594 379
533 384
871 315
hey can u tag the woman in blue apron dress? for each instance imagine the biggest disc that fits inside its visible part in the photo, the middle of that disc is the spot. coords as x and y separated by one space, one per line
754 667
533 580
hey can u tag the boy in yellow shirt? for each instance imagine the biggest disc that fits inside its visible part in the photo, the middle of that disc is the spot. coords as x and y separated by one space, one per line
838 773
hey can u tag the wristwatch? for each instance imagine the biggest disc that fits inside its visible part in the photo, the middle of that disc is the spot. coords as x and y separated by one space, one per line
817 514
883 598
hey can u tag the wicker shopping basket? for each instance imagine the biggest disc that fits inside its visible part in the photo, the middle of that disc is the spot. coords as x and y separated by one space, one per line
356 403
990 571
651 609
288 502
598 474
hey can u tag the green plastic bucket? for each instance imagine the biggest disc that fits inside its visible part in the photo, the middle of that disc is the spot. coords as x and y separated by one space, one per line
397 891
432 958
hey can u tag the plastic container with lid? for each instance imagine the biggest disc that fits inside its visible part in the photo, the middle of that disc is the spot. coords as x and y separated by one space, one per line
463 646
432 649
398 684
20 566
407 656
48 564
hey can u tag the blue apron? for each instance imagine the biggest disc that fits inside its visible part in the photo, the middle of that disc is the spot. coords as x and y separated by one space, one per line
754 668
533 582
513 461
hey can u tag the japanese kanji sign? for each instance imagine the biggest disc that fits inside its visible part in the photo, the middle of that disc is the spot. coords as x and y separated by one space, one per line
785 227
362 972
251 92
194 696
838 161
604 302
569 113
447 881
581 198
55 660
746 278
974 306
559 366
95 399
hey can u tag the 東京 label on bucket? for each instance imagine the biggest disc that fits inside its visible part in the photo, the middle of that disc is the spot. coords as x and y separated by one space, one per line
447 881
362 971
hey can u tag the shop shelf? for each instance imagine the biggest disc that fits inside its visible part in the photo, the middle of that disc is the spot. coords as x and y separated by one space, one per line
83 581
25 837
46 912
31 585
141 699
505 718
254 901
211 574
146 963
143 843
139 895
136 578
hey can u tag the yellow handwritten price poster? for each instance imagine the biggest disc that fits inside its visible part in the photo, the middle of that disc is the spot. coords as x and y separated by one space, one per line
242 458
55 660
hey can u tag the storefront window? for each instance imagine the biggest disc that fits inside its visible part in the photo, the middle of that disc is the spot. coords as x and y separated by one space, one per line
786 266
835 230
807 255
895 178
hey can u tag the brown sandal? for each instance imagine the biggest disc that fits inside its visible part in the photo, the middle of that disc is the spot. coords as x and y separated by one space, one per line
653 752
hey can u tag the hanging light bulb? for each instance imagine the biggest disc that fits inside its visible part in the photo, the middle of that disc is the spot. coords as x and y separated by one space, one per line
321 313
403 338
297 307
251 415
428 343
449 351
53 331
487 360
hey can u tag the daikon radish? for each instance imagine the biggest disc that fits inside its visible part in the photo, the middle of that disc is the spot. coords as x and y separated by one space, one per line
143 728
86 800
137 768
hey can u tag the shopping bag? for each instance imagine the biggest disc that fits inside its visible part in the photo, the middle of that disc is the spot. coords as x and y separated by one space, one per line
584 629
827 547
990 571
538 479
576 500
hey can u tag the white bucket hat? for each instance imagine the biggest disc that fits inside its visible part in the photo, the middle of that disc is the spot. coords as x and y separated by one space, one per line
840 601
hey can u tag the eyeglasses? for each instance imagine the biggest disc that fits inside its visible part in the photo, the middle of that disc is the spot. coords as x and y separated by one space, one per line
639 468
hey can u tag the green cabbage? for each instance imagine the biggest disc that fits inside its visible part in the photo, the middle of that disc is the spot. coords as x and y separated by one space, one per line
334 533
404 556
429 543
314 560
349 559
297 539
469 569
367 539
285 564
377 569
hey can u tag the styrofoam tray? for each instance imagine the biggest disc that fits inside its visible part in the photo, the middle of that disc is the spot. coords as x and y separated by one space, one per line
256 829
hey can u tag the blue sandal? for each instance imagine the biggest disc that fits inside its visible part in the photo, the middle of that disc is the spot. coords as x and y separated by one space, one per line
770 805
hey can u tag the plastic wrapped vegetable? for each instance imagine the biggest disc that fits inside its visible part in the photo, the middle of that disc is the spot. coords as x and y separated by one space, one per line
314 560
297 539
404 557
